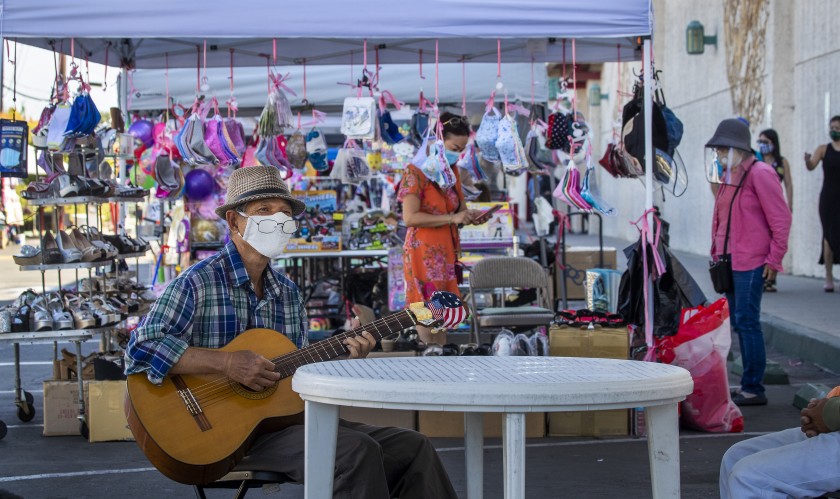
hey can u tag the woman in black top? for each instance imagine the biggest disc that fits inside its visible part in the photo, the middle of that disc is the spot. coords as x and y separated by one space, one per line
829 154
771 153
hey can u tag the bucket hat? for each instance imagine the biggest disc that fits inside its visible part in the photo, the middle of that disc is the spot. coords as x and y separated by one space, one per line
257 182
731 133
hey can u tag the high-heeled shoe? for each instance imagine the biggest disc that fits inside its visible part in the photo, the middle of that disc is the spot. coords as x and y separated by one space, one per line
65 186
114 315
95 238
90 253
69 252
50 250
61 318
39 317
82 317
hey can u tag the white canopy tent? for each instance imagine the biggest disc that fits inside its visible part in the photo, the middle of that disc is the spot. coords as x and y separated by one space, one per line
161 33
326 85
139 34
154 33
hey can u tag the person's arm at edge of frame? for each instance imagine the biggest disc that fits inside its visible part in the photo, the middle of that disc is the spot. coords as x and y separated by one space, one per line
811 161
821 415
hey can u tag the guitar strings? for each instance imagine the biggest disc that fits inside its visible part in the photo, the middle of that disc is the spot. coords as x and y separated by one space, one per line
220 392
207 391
287 359
290 359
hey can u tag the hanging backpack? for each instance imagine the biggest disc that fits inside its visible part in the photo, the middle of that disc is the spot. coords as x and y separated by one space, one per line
633 127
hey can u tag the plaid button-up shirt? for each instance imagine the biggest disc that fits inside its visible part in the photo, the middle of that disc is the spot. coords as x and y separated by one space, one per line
207 306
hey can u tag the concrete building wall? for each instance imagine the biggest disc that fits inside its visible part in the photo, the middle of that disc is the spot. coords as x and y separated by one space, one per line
802 65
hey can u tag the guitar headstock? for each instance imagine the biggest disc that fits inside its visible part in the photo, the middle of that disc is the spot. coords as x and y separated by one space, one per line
444 309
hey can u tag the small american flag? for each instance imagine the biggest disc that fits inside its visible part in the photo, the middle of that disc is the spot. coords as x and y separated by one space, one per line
447 308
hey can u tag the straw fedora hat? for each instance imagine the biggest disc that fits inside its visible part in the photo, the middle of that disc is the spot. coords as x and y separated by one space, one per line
257 182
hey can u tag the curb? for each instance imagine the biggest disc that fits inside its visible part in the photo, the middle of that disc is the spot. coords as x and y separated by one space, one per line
811 345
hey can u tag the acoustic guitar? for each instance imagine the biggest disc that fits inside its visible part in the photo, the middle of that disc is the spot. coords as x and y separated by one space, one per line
195 428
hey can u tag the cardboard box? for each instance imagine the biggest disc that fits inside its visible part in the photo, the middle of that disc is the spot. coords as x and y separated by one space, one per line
588 423
61 408
106 417
380 417
578 260
451 424
605 343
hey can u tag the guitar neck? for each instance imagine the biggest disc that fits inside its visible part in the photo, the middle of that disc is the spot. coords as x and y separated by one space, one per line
333 347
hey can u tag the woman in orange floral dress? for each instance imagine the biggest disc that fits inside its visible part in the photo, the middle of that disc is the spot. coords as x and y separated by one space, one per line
432 214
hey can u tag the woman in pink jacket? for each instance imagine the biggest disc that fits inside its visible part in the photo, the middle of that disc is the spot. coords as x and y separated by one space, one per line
750 226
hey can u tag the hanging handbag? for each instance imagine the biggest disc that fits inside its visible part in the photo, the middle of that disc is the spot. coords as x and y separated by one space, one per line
721 269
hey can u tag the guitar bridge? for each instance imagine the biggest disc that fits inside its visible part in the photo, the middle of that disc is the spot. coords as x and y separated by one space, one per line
192 403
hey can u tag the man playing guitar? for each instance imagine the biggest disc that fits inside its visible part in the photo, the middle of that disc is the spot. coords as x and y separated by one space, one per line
214 301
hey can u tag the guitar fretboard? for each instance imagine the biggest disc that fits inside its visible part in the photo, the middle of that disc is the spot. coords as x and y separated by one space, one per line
334 347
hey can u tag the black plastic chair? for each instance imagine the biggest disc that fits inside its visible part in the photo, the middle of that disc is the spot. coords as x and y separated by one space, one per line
242 481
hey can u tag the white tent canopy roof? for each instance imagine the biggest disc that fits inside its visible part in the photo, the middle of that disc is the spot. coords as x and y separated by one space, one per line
144 34
147 86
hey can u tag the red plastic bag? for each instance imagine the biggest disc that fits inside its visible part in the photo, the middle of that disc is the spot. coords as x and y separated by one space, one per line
701 346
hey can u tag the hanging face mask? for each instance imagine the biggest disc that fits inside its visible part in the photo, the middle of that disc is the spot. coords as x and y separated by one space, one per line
765 147
451 156
268 235
835 135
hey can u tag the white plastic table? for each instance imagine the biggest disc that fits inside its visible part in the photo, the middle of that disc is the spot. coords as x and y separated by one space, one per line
475 385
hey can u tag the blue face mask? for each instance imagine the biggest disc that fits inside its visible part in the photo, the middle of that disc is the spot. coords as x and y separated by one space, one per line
765 148
451 156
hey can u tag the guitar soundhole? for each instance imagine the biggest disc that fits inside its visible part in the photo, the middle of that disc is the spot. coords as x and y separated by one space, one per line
244 391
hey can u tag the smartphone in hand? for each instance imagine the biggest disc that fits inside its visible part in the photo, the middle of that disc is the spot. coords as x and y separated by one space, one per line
485 216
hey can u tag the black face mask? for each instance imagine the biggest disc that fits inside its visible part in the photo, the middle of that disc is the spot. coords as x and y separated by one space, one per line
834 134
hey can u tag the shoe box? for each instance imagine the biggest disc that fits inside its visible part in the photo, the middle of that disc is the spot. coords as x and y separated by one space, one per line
104 410
61 408
106 413
578 260
606 343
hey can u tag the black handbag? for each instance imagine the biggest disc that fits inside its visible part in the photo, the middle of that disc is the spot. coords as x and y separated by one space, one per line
721 269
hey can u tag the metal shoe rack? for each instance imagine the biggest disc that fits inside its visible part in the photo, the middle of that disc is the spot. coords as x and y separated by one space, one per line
23 399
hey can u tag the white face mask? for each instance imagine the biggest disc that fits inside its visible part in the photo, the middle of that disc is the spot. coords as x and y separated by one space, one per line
268 235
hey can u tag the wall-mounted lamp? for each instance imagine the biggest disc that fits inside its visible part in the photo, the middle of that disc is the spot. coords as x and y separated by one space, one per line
696 39
595 95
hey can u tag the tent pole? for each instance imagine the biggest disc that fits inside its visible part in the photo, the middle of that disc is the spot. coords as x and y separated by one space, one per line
121 162
649 156
649 152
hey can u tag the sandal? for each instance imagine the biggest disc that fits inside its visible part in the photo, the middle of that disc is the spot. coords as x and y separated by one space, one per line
90 253
95 238
83 318
61 318
40 318
29 255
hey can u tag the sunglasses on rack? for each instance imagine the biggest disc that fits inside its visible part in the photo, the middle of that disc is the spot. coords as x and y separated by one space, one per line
457 120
